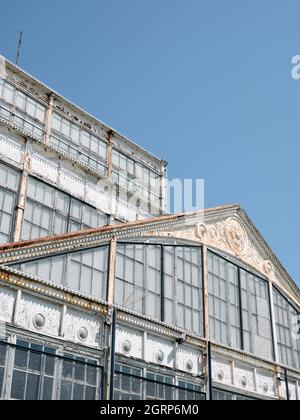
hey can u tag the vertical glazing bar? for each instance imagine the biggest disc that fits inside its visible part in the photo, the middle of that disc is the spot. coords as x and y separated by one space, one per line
273 321
111 271
205 292
286 378
210 376
112 355
241 309
162 276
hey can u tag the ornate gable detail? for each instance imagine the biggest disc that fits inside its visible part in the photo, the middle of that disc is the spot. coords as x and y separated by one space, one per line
229 235
232 237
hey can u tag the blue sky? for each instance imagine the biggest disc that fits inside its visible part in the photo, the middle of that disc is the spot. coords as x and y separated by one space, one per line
205 84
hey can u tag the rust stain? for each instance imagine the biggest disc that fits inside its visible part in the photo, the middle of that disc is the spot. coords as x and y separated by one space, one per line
108 229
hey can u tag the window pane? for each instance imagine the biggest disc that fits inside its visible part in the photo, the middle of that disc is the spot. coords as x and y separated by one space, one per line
224 301
66 391
78 392
90 393
48 389
32 388
256 315
35 361
49 365
21 358
138 278
68 369
1 380
18 385
183 279
286 317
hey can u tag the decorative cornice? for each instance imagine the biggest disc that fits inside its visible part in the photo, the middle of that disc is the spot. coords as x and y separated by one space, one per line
231 236
251 360
95 120
227 229
50 147
49 290
46 290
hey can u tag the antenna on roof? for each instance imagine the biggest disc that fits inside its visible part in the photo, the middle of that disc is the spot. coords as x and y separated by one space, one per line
19 47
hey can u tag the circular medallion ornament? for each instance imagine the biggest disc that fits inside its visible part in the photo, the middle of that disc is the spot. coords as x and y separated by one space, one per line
190 365
83 333
213 233
126 346
236 236
244 381
265 387
159 356
220 375
201 232
268 268
39 321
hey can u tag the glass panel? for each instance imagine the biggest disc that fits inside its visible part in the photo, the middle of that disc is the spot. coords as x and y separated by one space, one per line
33 375
49 211
159 387
18 385
287 320
32 388
21 358
9 185
48 389
84 271
229 396
223 301
183 282
256 315
127 383
138 278
66 391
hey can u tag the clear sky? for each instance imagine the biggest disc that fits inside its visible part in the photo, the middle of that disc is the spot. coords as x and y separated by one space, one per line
205 84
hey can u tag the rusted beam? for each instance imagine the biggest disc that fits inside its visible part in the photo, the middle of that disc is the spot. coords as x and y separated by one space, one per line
48 120
163 188
112 271
22 194
109 356
110 155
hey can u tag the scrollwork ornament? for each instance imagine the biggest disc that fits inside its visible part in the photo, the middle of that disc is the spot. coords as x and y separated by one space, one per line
236 236
201 232
27 161
268 268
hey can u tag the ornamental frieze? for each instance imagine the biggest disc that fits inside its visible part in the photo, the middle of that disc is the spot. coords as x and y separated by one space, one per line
230 236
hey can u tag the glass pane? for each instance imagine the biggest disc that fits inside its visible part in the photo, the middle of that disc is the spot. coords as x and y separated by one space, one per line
2 354
68 369
90 393
79 372
66 391
76 209
48 389
78 392
32 389
18 385
49 365
35 361
1 380
21 358
91 376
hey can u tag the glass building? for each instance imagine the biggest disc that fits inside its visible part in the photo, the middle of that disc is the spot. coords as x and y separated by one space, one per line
103 296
